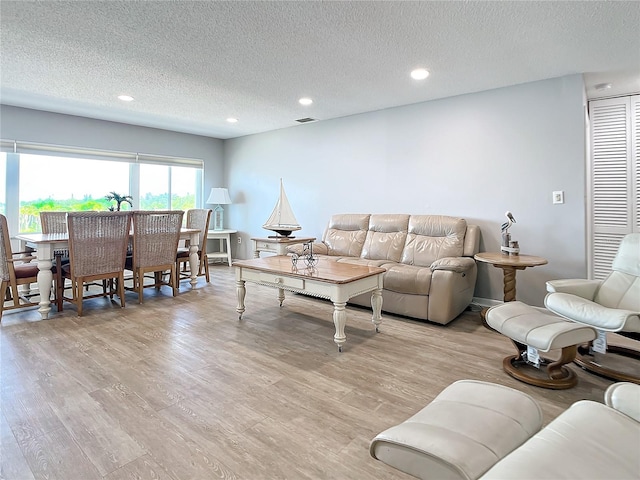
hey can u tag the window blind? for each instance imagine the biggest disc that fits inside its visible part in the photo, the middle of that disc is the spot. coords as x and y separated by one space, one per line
18 146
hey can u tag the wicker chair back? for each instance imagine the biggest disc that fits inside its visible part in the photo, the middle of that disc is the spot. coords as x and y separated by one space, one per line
98 242
155 237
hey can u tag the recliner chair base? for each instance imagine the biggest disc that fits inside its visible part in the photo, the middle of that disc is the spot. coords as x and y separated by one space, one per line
586 359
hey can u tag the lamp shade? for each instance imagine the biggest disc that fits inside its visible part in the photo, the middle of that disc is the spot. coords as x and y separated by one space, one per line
219 196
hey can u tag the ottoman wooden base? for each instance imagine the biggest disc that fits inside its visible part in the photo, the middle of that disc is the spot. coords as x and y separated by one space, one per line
529 326
557 378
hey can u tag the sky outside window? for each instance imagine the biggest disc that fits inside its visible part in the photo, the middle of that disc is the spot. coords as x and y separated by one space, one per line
63 178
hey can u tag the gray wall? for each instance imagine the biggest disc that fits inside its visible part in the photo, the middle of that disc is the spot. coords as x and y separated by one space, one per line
46 127
474 156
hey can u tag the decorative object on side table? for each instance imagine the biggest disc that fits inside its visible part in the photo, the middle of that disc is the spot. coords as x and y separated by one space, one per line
509 247
119 199
219 197
282 220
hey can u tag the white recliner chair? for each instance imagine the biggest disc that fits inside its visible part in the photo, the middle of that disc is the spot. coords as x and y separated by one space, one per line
609 305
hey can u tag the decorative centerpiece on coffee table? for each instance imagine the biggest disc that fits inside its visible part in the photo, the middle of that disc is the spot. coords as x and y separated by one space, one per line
309 258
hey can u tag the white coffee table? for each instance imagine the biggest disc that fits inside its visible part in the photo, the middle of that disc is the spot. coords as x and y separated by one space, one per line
334 281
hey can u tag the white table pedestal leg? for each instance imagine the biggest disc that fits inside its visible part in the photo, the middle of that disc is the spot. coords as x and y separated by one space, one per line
45 282
376 306
340 320
241 291
193 264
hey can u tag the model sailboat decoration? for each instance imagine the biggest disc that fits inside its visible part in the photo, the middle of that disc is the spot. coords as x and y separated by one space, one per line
282 220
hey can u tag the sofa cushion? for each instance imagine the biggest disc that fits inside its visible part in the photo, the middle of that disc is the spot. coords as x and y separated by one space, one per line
409 279
386 237
364 262
345 234
431 237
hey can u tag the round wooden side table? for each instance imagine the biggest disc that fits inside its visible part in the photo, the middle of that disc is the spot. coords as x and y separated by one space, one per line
509 264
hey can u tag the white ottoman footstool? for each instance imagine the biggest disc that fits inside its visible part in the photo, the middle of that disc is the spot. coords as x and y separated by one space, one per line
532 329
462 433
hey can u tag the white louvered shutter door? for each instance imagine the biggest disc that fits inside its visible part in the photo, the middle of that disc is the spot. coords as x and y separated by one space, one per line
635 159
614 176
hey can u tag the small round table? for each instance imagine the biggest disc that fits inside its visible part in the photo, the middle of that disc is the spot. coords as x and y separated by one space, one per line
509 264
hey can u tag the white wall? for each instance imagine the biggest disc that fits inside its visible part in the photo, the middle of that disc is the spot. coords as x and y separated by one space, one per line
474 156
46 127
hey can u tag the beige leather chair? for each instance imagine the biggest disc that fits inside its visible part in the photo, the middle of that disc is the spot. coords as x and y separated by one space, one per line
611 305
478 430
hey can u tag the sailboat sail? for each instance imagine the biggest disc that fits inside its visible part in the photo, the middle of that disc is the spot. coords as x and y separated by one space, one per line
282 219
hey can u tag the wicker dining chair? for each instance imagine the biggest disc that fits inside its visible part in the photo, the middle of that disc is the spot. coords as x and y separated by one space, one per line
196 218
56 223
98 248
155 242
53 222
15 270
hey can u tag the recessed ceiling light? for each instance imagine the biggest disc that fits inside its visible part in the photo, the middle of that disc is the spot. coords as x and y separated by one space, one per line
305 101
419 74
125 98
232 120
603 86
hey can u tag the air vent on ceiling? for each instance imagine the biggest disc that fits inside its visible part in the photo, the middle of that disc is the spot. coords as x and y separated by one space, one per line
305 120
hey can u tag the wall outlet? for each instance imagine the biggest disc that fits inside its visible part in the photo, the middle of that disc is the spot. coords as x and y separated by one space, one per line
239 240
558 196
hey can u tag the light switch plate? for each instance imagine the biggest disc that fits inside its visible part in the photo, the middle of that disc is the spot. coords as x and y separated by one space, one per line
558 196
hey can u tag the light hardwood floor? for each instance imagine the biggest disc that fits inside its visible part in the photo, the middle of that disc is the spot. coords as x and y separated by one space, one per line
178 388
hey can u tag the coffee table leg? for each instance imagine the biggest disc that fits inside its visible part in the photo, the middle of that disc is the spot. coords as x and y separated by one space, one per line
376 306
339 319
241 291
281 296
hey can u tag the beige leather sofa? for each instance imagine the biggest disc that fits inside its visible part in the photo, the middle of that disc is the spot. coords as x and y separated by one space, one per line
478 430
430 270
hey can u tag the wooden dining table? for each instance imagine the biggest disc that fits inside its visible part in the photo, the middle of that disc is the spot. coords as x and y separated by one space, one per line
46 244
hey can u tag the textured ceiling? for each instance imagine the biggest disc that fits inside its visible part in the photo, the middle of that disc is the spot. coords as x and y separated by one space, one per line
190 65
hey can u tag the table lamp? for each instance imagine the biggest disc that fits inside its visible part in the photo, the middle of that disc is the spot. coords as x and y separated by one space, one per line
218 197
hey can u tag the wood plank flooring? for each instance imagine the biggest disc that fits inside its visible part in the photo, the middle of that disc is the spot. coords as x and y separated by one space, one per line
178 388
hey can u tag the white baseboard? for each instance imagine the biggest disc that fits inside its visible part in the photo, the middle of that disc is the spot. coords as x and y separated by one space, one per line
485 302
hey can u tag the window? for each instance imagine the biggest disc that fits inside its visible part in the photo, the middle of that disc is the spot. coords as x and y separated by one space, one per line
162 187
154 187
73 179
70 184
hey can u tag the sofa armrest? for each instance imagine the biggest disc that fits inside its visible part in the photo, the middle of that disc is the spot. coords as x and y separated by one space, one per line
624 397
575 286
453 264
318 247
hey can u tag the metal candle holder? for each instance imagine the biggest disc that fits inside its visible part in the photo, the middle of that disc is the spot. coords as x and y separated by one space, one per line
309 258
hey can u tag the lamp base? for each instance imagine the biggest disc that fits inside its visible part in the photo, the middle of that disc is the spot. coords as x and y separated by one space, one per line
218 218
